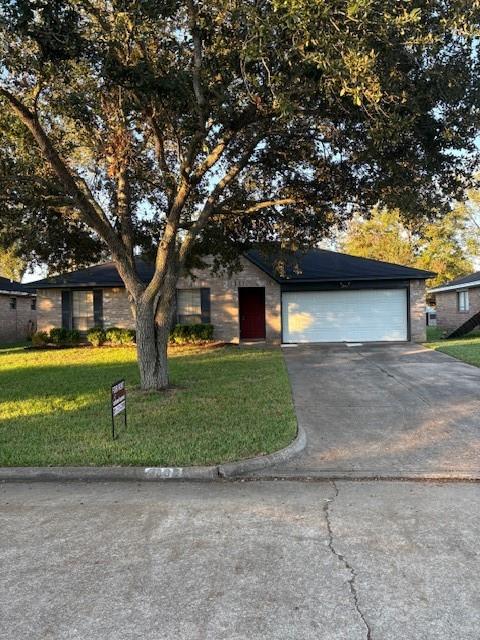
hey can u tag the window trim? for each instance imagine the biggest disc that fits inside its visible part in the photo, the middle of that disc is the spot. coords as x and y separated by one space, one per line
465 306
12 303
194 318
73 317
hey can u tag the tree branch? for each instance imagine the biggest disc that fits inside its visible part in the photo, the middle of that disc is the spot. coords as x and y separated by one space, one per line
166 253
209 205
213 157
58 201
75 186
123 211
265 204
242 121
166 248
197 65
160 153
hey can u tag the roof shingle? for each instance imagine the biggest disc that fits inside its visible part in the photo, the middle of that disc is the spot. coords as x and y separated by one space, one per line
316 265
11 286
320 265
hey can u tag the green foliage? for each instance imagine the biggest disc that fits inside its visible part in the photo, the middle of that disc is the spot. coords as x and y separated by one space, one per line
444 246
62 336
127 336
96 336
116 336
59 335
12 265
73 336
382 236
40 339
445 249
113 335
191 333
356 100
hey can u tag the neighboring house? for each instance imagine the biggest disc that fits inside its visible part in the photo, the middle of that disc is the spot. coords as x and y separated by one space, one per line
17 311
457 301
322 296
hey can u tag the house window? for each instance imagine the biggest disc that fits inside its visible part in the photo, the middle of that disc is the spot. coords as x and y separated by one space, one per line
82 310
33 304
463 301
13 303
189 306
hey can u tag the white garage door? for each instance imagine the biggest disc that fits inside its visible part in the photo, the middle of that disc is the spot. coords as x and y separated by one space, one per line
345 316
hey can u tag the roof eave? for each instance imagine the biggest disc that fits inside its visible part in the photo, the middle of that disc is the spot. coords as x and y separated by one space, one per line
332 280
16 293
78 285
456 287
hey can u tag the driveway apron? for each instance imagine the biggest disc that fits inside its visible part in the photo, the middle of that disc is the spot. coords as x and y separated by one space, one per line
397 410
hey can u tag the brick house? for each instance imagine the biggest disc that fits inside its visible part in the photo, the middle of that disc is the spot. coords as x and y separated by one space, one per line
317 296
457 301
18 313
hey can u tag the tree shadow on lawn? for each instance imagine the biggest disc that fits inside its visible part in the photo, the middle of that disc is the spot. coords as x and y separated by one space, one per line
187 371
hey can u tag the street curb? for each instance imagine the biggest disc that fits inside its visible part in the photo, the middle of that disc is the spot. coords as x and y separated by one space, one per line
152 474
105 474
365 476
241 467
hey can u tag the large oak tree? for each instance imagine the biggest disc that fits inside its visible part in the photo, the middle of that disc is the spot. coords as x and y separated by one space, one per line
178 125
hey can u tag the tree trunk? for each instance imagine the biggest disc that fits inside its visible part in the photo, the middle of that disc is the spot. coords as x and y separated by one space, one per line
153 323
152 343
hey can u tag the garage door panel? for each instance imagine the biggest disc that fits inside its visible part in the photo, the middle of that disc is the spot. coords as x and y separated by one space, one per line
345 316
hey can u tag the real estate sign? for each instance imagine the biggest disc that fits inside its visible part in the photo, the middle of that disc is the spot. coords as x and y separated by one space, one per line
119 402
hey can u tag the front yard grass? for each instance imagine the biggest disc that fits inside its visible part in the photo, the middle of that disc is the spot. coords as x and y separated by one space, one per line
225 404
466 348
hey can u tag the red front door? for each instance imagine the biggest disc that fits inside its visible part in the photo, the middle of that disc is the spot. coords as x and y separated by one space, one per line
251 302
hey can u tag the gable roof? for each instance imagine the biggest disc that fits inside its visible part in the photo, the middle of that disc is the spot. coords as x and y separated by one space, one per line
320 265
17 288
315 265
465 282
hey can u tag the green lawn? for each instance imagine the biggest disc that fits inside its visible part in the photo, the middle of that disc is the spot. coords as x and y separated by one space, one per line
226 404
434 334
466 348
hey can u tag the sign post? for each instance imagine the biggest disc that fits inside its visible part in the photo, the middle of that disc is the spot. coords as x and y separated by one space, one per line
119 403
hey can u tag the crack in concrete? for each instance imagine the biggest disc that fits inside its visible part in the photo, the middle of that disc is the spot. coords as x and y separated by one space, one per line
344 561
404 384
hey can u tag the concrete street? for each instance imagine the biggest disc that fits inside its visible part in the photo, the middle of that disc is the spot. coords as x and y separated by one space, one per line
396 410
251 560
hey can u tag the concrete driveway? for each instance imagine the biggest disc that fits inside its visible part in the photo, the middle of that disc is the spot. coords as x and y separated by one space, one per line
395 410
240 561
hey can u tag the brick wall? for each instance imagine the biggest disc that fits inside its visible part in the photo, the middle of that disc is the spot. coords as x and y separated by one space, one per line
49 309
116 309
448 315
418 323
16 324
223 301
